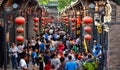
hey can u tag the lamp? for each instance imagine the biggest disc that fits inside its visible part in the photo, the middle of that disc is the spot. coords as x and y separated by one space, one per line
15 5
92 5
78 13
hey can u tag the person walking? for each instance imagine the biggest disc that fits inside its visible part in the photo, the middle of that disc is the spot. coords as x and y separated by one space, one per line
96 49
13 54
34 56
62 65
41 63
70 65
48 65
23 64
89 64
55 61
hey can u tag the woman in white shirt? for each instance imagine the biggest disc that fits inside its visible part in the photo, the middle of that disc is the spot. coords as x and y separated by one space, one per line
23 64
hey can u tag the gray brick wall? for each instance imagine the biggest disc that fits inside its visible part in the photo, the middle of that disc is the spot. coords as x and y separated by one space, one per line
114 40
118 14
114 47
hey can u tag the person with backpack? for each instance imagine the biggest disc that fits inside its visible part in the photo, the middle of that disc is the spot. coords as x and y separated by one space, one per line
90 64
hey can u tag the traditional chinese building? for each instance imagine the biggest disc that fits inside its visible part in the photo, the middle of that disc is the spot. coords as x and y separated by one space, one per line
100 12
25 8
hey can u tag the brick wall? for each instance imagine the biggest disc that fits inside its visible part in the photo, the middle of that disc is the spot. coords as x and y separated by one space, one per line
114 40
118 14
115 12
114 47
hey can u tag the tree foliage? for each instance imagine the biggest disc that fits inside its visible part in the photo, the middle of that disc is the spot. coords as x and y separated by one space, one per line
63 3
43 2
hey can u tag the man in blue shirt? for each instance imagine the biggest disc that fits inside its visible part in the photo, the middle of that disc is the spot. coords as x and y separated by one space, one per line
34 55
46 36
96 49
42 45
70 65
55 36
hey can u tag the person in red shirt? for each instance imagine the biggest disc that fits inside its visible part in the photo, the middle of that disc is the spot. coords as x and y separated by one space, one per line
61 47
48 65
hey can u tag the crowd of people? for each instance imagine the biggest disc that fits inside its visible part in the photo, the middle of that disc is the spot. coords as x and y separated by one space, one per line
54 50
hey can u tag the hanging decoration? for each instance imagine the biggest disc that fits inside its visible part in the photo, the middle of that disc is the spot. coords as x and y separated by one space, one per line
20 20
36 19
73 29
88 37
66 18
43 19
87 19
35 29
20 38
73 20
73 24
88 29
78 20
20 29
36 24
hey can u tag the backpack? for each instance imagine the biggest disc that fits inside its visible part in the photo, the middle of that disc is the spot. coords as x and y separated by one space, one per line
90 65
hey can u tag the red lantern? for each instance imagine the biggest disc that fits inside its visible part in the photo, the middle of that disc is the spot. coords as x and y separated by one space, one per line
73 24
87 29
88 37
20 29
20 20
78 20
66 18
73 29
73 20
36 19
35 24
45 30
43 22
66 24
20 38
46 18
35 29
42 25
87 19
43 18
